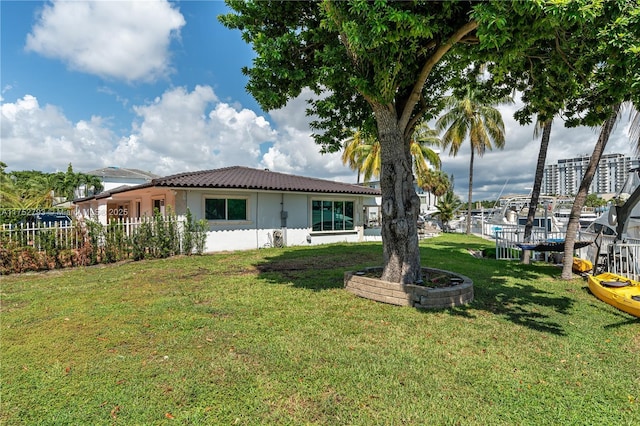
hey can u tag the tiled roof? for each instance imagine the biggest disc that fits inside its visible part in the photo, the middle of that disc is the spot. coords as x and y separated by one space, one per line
238 177
118 172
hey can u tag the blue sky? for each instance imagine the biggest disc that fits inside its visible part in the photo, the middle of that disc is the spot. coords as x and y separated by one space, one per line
157 86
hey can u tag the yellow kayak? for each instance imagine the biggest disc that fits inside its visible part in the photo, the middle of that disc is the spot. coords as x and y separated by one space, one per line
581 265
618 291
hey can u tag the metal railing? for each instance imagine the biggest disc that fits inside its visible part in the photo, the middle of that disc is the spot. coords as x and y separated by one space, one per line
618 257
622 259
509 237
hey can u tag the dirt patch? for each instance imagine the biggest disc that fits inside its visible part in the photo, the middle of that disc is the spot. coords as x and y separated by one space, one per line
315 263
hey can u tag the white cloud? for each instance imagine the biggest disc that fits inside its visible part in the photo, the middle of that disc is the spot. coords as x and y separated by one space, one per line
42 138
178 131
184 130
296 151
126 40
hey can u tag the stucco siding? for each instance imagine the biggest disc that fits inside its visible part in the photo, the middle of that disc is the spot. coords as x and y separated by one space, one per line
266 210
264 215
223 240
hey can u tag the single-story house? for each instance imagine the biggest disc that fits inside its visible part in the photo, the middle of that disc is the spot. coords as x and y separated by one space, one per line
245 208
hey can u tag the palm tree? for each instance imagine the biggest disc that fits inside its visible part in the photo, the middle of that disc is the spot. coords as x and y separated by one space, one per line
9 194
362 153
472 115
37 192
446 208
423 138
436 182
352 152
93 184
578 203
537 183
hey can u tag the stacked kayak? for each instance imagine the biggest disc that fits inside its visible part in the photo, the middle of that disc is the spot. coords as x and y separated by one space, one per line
616 290
581 265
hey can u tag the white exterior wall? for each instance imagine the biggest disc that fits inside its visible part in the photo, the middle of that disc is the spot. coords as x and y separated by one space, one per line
264 217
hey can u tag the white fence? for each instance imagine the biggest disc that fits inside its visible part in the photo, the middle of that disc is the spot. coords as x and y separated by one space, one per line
34 235
622 259
70 236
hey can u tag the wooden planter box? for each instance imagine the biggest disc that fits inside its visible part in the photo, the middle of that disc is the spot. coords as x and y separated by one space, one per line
415 295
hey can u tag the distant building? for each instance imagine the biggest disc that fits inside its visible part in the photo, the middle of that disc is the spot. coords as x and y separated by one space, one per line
114 177
428 202
564 177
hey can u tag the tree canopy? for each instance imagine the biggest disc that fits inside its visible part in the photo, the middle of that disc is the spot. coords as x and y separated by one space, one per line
383 67
36 189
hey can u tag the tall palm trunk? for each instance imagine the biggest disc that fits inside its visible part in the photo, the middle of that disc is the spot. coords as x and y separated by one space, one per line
400 203
470 197
537 184
578 203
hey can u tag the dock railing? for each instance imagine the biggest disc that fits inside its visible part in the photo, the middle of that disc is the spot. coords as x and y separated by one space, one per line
619 257
623 260
508 237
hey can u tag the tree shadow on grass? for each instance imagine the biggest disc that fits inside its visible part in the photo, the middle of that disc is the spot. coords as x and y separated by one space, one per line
520 303
318 267
625 318
502 288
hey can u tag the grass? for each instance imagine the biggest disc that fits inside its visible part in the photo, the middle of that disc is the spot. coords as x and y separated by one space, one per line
270 337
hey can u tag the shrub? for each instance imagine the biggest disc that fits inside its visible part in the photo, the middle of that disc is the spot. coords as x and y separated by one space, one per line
90 243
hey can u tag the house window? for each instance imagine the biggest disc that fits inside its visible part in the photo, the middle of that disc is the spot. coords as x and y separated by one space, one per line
225 209
158 205
332 215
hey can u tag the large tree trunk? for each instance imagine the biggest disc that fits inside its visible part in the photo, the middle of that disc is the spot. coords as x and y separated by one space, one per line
537 183
470 196
400 203
578 203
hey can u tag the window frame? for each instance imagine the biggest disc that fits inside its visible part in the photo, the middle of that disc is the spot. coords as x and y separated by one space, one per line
162 208
334 201
226 198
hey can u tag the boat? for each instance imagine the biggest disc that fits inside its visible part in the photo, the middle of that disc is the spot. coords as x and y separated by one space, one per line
552 245
587 217
619 224
562 212
618 291
513 211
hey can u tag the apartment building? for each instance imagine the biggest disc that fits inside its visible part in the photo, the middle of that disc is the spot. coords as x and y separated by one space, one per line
564 177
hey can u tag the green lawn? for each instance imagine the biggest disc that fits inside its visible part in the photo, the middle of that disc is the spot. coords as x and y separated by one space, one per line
270 337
